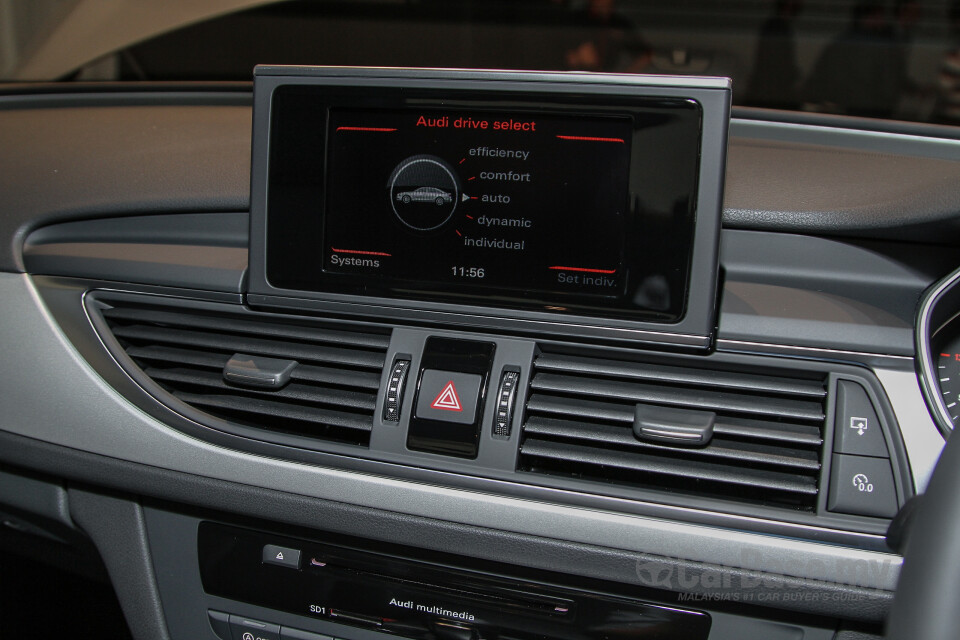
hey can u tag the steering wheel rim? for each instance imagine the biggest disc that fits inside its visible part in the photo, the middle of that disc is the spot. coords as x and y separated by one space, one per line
926 605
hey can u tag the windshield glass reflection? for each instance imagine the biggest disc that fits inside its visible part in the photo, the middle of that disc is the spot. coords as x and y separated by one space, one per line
878 58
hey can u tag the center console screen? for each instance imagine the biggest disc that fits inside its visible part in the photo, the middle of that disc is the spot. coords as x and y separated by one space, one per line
510 200
519 202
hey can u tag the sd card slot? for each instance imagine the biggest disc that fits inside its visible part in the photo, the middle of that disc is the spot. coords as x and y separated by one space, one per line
355 618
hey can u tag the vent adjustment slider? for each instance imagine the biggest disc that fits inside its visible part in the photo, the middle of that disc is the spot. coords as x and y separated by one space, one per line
258 372
685 427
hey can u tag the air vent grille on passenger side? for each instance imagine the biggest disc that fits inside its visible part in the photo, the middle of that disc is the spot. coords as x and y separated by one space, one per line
766 443
332 391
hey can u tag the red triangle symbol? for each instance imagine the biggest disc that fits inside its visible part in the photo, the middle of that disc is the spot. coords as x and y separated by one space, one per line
448 400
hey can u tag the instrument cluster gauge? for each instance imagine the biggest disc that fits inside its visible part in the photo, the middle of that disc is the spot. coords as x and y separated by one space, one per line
938 347
947 359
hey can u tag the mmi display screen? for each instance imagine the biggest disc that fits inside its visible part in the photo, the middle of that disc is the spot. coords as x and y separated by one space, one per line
575 205
514 201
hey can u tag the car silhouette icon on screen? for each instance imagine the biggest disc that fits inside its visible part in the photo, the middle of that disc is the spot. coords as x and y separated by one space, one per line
425 194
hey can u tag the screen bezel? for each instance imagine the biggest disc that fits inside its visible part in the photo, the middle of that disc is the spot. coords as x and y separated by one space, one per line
573 93
655 247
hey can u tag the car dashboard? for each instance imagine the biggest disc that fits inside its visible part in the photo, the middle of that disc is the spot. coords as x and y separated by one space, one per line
260 444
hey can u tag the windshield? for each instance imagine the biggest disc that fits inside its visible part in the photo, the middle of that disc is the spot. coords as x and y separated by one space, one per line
896 59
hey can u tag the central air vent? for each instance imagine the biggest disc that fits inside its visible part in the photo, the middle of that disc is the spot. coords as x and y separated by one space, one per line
331 393
765 447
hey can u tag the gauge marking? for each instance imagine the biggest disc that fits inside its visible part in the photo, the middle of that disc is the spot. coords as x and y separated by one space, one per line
947 383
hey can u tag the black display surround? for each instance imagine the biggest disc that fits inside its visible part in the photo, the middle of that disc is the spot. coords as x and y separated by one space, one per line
538 200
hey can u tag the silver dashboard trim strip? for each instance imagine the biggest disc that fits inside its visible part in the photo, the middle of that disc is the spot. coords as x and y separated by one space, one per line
817 353
78 409
921 437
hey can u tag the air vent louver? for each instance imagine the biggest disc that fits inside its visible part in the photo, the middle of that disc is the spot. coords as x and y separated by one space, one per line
332 392
766 443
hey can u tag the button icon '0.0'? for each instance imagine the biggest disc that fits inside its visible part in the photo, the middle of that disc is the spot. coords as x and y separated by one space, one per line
862 483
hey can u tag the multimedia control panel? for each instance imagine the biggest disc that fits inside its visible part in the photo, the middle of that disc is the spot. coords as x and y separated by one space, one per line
410 599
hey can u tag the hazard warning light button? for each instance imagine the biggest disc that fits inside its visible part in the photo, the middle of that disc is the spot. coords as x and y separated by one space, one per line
448 396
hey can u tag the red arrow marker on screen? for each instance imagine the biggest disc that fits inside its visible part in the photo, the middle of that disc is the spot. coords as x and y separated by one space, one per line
448 400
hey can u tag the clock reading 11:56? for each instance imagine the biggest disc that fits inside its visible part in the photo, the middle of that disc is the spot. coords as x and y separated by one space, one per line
468 272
